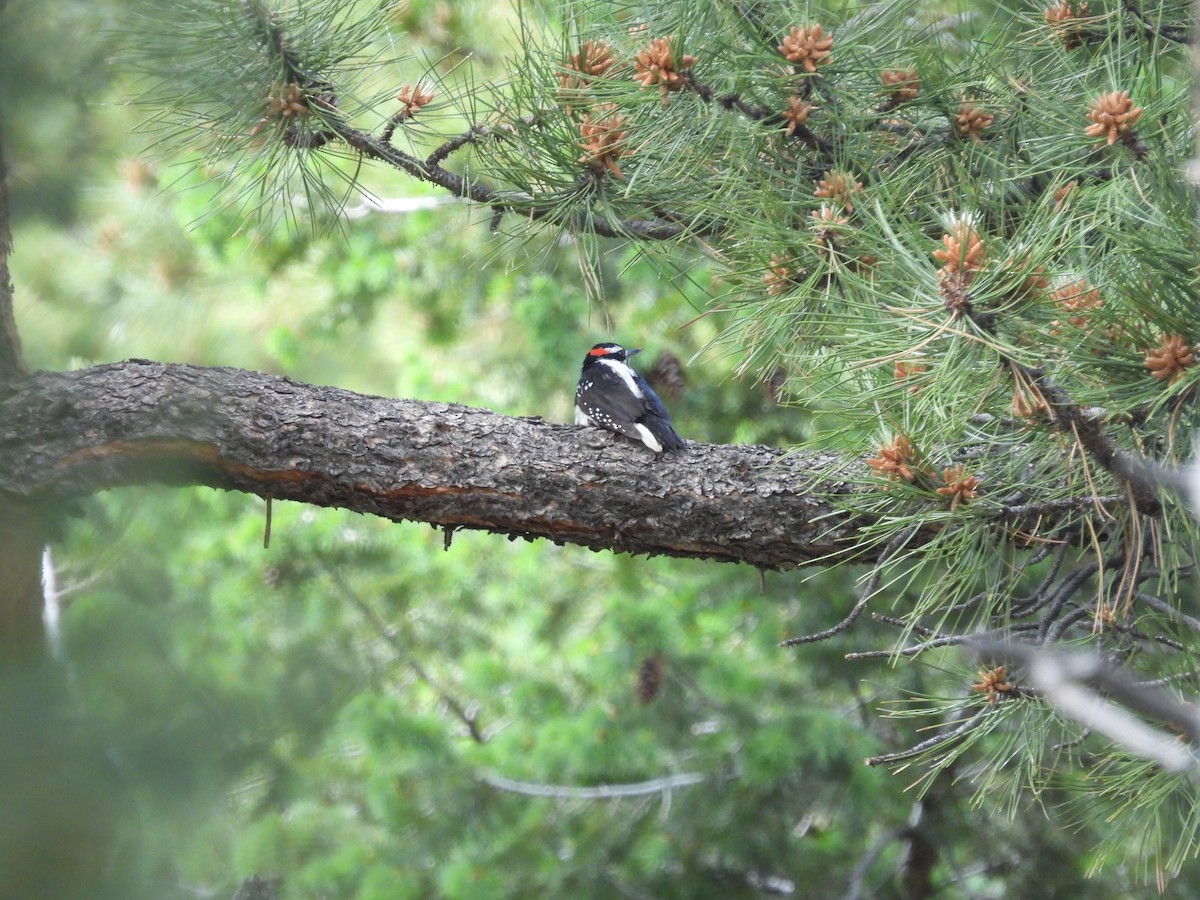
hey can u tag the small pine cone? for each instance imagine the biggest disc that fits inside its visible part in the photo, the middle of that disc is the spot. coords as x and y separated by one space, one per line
806 47
778 277
775 384
602 134
1167 361
590 62
962 249
839 187
955 288
796 114
285 101
656 64
1035 282
1064 194
992 684
1028 403
896 460
1064 22
414 96
649 679
1112 116
970 121
666 376
959 488
910 371
826 223
901 84
1076 300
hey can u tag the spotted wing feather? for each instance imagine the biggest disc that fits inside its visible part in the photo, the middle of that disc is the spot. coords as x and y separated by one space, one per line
626 413
656 419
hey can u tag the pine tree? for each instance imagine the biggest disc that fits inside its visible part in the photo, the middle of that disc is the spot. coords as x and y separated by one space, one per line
964 241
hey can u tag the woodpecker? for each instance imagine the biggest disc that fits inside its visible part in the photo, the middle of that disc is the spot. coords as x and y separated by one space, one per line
614 396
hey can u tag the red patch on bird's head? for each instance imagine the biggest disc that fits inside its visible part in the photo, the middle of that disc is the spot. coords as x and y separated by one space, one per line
600 351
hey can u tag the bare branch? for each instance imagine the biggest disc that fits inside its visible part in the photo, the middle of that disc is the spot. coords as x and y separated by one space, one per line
601 792
75 433
469 717
868 590
936 741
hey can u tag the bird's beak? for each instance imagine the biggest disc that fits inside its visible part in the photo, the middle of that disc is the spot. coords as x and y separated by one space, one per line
633 351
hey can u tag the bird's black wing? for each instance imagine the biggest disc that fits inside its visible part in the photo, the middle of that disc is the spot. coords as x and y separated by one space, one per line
616 409
656 419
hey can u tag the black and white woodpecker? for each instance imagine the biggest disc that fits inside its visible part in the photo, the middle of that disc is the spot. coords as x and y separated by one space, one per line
612 395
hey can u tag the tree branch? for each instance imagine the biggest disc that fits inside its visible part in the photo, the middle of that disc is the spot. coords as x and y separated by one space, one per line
601 792
68 434
516 202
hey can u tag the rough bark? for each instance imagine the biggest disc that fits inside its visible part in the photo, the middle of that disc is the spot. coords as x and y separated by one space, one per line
74 433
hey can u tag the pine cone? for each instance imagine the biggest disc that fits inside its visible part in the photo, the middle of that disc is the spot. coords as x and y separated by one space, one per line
896 460
1064 22
656 64
992 684
955 289
806 47
962 249
1034 284
603 139
911 371
839 187
1168 360
649 679
1063 195
285 101
1076 300
778 277
971 120
414 96
1112 116
666 376
959 487
796 114
825 225
591 61
901 84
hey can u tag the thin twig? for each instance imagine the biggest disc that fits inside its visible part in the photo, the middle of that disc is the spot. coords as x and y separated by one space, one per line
1029 605
870 586
1058 598
936 741
1040 554
1072 420
388 633
601 792
1166 609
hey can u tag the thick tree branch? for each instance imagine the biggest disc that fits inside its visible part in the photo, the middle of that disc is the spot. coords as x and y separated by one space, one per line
75 433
